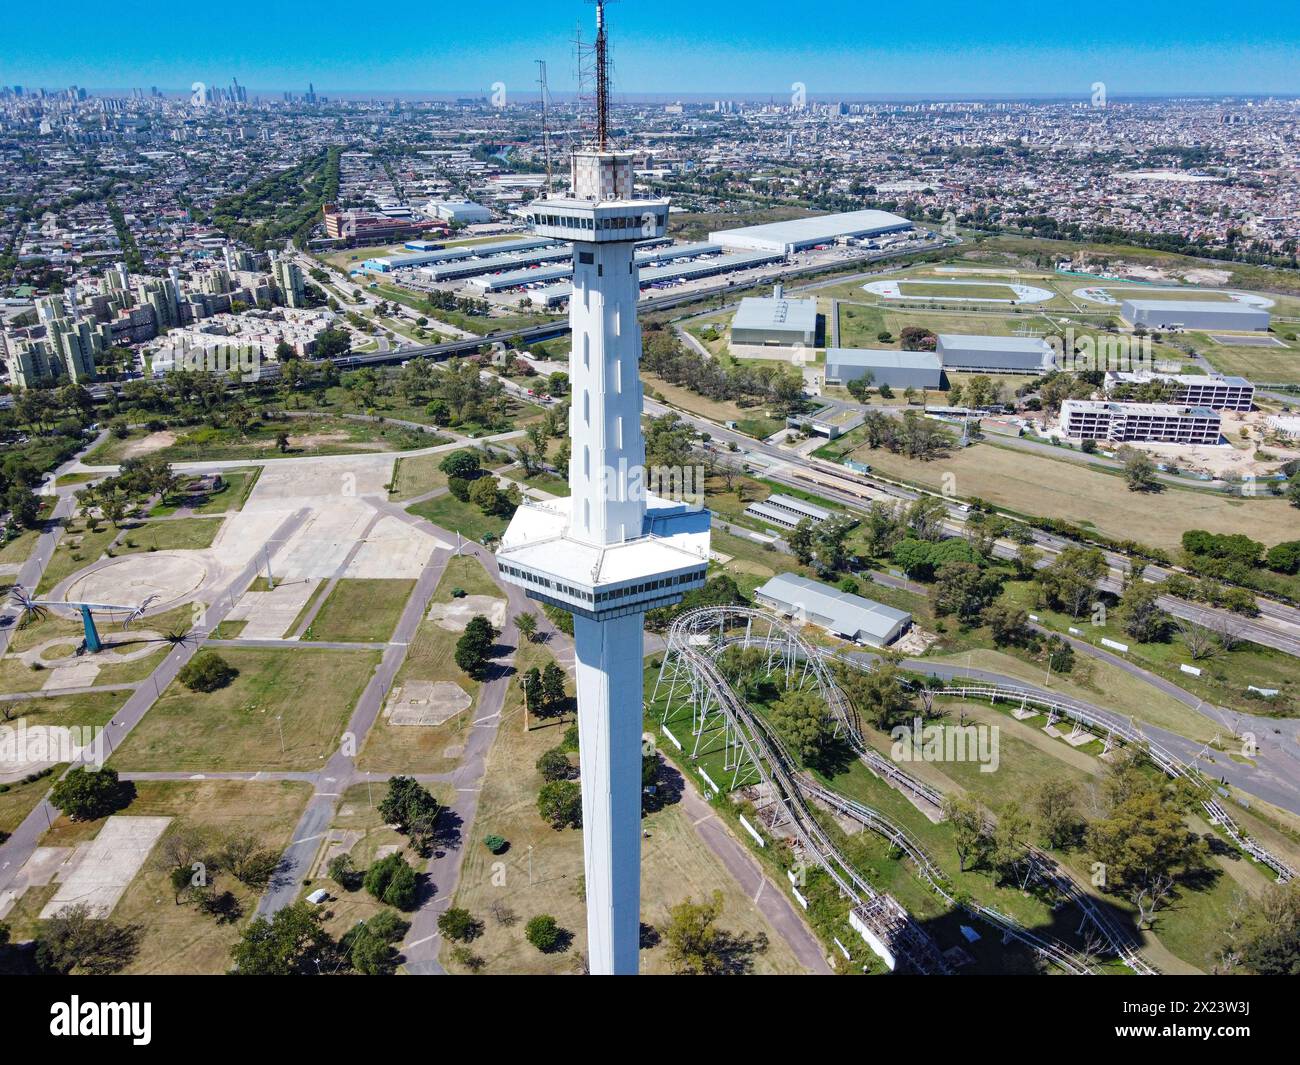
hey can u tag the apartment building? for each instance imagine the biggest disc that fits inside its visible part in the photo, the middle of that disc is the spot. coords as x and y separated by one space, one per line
1191 390
1152 423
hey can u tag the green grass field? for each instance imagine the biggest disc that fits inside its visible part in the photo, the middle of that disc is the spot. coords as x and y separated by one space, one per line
448 512
180 534
361 611
307 700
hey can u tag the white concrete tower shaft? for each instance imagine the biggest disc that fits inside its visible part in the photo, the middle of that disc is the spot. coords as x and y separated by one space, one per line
608 451
609 552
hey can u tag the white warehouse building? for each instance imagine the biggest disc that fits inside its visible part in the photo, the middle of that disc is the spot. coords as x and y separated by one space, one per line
800 234
852 617
775 320
990 354
1194 314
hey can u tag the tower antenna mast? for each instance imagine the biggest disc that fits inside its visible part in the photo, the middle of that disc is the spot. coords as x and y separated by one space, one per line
602 79
546 130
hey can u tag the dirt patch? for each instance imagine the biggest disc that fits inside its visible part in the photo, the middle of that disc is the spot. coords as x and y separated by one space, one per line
314 440
147 444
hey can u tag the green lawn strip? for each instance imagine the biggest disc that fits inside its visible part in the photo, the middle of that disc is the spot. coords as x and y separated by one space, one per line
361 611
181 534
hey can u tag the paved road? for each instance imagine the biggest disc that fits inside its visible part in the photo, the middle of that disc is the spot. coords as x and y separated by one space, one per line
770 900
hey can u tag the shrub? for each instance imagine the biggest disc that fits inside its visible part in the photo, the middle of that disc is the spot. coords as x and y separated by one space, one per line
458 925
544 932
206 672
496 844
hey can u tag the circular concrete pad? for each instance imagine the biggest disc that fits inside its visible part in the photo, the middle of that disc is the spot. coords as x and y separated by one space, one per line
125 581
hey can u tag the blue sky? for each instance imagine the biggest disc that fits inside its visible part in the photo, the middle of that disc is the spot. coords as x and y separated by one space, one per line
665 46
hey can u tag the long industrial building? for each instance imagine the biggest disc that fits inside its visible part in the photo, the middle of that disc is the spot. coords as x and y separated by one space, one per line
775 320
506 280
430 256
852 617
787 511
1191 390
991 354
653 276
1194 314
1151 423
800 234
897 369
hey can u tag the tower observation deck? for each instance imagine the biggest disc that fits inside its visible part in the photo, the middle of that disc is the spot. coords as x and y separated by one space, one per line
612 550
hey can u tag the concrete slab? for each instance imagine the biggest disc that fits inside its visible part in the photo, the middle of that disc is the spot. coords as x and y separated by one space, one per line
422 702
271 614
108 866
40 869
455 615
394 549
77 675
174 576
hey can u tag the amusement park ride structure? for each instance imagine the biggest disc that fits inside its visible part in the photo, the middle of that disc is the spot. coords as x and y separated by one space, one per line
37 608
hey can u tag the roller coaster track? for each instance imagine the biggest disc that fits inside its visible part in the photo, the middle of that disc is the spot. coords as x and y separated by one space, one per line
698 627
783 791
784 782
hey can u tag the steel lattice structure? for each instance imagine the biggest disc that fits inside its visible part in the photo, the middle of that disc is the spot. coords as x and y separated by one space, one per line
689 674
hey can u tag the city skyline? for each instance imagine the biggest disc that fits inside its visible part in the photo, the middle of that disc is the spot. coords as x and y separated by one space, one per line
762 50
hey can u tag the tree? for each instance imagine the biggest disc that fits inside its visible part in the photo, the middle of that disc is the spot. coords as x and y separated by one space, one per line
696 946
485 495
291 943
1008 840
1285 557
248 861
1293 489
474 648
964 589
86 794
370 945
459 925
74 941
804 721
800 540
343 872
392 881
554 764
969 829
559 802
1140 615
1139 470
1070 582
1056 814
1143 841
544 933
1008 624
879 695
206 672
412 808
1266 935
527 625
554 696
462 464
